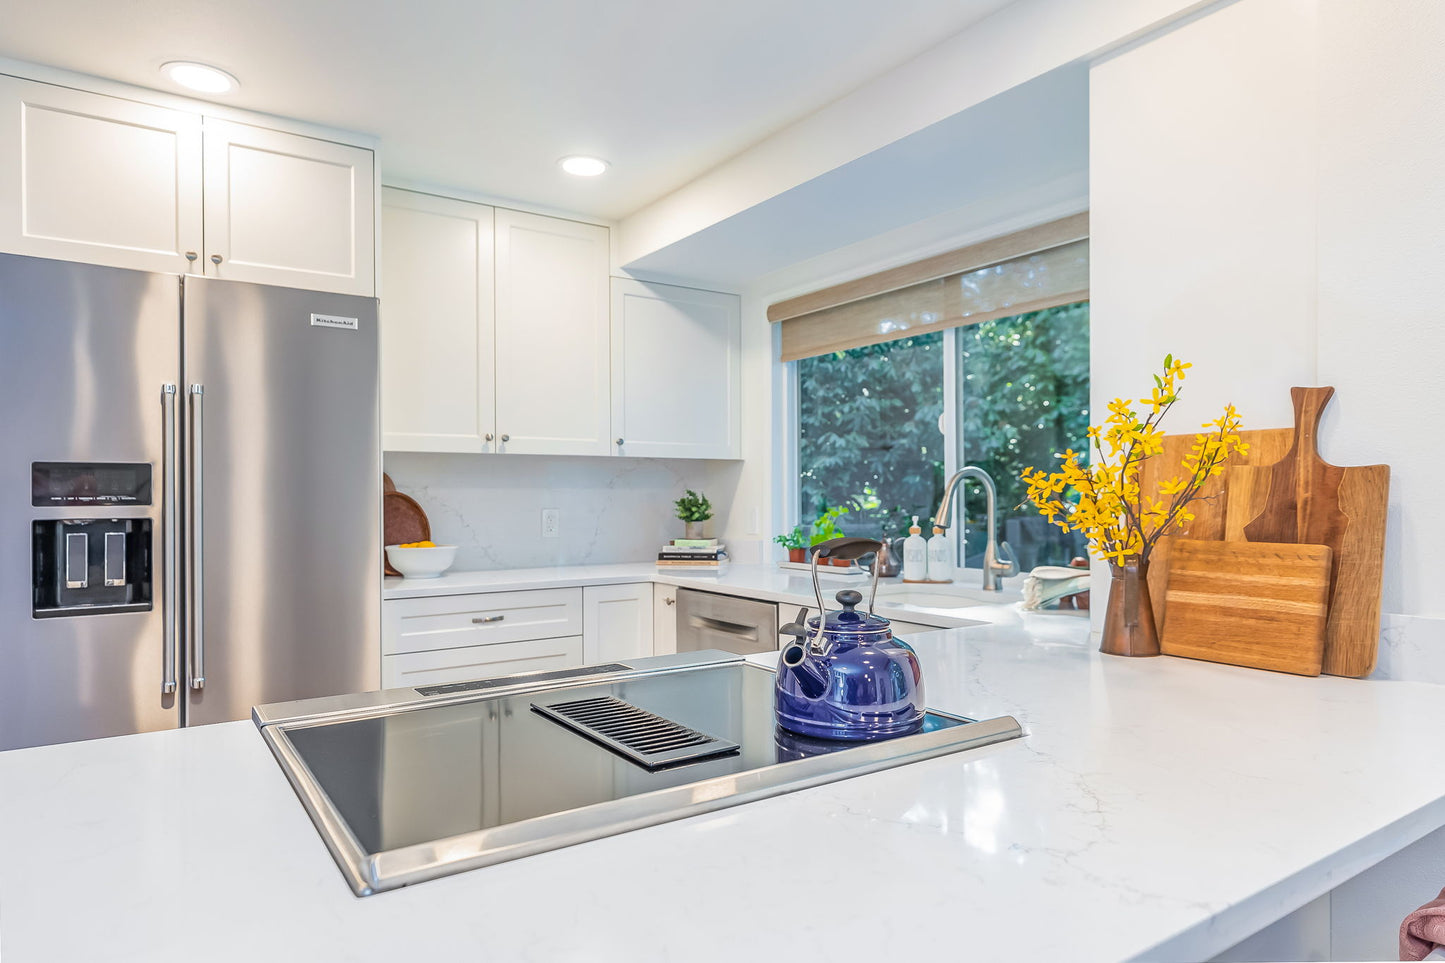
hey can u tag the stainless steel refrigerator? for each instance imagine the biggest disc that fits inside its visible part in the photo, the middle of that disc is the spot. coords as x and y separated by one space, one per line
189 493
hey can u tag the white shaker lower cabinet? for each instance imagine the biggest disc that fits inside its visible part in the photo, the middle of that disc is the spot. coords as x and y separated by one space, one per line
664 619
85 177
457 638
553 391
676 371
289 210
437 327
617 622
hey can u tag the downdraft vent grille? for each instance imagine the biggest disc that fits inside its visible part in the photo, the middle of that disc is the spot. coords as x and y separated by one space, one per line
636 734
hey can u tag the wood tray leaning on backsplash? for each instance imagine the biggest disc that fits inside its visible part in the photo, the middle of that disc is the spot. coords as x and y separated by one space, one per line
1302 498
1257 604
1266 446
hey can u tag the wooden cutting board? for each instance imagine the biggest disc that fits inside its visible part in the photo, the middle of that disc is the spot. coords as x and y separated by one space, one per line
1266 446
1303 498
402 521
1257 604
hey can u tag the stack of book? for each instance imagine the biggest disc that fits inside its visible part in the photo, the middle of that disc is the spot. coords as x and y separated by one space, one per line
694 554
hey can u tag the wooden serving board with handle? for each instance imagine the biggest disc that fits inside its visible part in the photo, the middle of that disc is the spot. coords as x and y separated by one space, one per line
1302 498
1266 446
1257 604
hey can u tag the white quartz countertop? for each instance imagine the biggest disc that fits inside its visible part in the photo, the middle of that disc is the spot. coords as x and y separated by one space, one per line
1157 808
766 582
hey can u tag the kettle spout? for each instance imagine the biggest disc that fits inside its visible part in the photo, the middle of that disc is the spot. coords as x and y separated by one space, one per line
812 681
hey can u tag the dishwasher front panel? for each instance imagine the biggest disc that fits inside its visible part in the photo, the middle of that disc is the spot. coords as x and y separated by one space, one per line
707 620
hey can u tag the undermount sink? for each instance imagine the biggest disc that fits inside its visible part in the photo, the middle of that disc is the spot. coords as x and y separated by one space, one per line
953 595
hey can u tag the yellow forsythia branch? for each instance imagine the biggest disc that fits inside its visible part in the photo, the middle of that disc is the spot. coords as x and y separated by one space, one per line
1107 506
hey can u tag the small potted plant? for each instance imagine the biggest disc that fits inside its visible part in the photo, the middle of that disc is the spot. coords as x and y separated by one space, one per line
796 542
826 528
693 509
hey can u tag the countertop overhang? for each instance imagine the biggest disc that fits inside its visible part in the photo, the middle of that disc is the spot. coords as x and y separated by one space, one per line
1157 808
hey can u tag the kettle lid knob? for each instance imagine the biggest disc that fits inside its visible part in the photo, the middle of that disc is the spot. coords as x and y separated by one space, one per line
849 599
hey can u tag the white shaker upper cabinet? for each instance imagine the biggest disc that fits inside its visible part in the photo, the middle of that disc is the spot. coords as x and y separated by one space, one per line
552 336
437 328
676 371
288 210
85 177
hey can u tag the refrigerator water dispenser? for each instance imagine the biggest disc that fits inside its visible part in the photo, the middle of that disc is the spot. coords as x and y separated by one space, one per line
90 566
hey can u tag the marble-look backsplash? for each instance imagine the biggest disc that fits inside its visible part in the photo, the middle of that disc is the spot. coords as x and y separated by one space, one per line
612 509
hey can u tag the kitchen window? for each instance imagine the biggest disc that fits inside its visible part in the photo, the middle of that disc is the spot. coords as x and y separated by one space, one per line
976 357
880 427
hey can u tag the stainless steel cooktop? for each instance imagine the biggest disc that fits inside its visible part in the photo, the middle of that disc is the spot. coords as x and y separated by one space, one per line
410 784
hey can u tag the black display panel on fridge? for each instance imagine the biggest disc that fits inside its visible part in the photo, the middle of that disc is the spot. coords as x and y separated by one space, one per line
68 483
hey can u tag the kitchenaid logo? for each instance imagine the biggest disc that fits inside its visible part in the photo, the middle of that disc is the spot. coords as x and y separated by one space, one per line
333 321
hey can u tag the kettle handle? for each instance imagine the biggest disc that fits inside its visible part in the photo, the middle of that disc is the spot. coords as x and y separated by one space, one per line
849 547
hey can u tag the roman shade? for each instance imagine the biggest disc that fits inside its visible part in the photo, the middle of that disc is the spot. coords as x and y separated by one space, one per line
1036 268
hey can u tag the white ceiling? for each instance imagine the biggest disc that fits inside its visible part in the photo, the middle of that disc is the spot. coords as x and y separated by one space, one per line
1019 146
486 95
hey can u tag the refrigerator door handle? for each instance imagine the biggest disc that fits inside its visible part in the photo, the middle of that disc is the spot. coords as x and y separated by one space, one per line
197 537
172 551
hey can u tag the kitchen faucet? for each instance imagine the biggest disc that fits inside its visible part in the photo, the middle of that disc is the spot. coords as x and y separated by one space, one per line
994 571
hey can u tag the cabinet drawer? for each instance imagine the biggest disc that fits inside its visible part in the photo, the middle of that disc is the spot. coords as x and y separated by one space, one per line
455 621
479 662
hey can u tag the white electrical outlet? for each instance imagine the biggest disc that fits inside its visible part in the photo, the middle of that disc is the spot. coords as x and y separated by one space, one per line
551 522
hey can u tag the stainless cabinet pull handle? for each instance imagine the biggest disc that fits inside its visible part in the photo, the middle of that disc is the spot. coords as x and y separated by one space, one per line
191 255
670 601
172 536
486 619
197 528
215 259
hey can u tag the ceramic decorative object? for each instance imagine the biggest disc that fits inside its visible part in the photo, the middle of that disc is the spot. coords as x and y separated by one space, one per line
1129 627
692 530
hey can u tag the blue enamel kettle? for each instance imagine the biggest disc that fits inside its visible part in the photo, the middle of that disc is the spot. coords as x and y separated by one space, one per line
844 675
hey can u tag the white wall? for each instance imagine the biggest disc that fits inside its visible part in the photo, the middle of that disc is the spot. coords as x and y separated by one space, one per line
612 509
1267 202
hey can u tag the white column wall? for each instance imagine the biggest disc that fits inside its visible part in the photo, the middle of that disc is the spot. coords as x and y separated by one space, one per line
1268 201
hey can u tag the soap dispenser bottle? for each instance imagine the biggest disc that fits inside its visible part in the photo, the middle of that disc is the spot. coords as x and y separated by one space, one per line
940 568
915 554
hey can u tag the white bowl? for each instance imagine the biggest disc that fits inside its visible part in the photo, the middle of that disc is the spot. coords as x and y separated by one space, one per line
421 562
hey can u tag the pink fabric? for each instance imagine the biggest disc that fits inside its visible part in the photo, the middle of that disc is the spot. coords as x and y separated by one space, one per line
1423 930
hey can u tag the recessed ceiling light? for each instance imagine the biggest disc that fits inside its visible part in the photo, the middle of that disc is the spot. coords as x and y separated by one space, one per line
199 77
583 166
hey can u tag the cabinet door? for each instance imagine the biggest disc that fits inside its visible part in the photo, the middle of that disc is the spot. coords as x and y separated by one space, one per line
676 371
664 619
437 353
552 336
84 177
288 210
616 622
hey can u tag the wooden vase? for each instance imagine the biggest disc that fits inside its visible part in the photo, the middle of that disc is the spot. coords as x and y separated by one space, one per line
1129 627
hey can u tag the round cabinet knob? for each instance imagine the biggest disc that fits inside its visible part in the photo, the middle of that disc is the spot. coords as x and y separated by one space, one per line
619 443
215 259
191 255
506 437
489 436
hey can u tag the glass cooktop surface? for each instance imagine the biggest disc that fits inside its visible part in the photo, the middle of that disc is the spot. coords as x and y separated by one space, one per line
429 773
